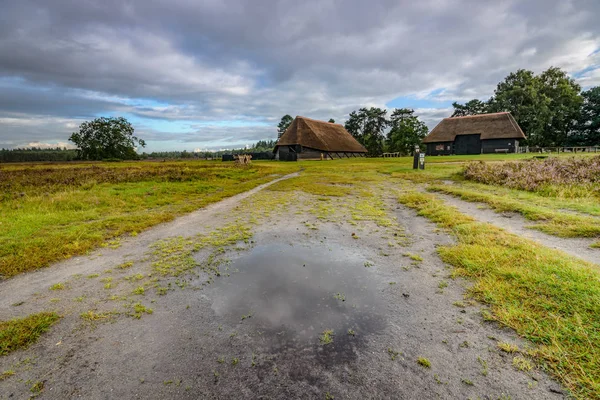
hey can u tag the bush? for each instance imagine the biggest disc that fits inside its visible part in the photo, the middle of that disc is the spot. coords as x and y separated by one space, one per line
549 175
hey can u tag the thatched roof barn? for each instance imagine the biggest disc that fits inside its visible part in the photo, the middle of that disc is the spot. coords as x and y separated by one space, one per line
307 138
475 134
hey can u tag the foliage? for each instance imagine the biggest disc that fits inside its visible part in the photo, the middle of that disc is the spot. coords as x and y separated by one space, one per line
472 107
406 131
546 106
331 120
561 319
258 147
285 122
367 126
21 332
106 138
588 127
37 154
564 105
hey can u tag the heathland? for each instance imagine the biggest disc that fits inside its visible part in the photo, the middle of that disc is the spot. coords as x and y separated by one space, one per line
549 298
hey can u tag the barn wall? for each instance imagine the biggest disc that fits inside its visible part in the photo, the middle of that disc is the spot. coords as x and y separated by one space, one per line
311 154
499 145
439 148
284 153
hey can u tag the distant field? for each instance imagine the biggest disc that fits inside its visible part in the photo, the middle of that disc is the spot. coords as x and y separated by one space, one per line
49 212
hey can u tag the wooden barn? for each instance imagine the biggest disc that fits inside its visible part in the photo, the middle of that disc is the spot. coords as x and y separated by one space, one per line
475 134
307 138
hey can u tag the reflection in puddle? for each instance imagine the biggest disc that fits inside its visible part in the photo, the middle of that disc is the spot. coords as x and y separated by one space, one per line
294 293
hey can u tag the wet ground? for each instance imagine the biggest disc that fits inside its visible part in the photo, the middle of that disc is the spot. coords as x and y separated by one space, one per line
295 293
321 302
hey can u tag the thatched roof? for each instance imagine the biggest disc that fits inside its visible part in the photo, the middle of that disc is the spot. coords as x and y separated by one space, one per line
319 135
491 126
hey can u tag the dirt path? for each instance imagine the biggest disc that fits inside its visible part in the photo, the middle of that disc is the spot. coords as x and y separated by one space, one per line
23 286
517 224
329 298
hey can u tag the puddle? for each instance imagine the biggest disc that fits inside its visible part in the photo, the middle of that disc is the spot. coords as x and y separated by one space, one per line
294 293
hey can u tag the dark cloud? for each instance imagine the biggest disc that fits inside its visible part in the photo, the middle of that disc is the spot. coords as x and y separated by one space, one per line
251 62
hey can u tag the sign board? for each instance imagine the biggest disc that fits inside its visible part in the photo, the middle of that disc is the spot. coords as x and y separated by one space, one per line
422 161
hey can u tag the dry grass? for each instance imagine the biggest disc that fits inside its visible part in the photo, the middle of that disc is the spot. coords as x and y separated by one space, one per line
562 177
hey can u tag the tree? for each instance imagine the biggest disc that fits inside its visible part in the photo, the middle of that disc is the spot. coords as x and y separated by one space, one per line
588 127
286 120
367 126
331 120
472 107
406 131
564 104
105 138
545 106
520 94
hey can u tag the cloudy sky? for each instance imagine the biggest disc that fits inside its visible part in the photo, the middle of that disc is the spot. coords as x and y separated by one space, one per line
193 74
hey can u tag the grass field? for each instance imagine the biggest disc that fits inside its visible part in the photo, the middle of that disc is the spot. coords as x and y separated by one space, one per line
50 212
54 211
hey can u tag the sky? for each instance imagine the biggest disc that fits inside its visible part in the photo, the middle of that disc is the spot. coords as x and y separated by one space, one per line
216 74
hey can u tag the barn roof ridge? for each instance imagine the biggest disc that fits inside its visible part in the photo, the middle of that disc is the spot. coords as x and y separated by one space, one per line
479 115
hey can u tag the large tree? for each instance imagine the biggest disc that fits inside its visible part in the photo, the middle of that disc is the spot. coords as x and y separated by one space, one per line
520 94
564 105
285 122
546 106
367 126
406 131
471 107
105 138
588 127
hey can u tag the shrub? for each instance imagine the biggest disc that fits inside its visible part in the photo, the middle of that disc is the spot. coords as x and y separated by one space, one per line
553 176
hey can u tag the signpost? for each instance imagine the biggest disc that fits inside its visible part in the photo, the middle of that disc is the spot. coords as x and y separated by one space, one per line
418 159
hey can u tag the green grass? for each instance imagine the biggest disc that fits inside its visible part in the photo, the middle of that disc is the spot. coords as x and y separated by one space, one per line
326 337
52 212
553 221
19 333
549 298
92 315
424 362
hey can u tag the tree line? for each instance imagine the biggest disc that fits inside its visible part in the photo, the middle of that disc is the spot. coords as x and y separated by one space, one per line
550 107
258 147
37 154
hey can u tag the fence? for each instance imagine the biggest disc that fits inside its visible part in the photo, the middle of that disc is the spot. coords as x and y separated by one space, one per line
572 149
